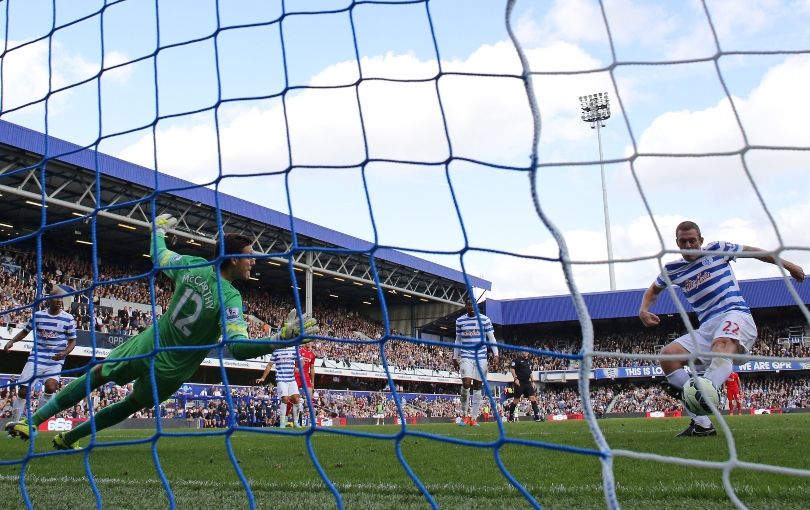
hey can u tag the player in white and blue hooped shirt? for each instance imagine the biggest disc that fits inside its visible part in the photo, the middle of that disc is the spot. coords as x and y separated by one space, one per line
472 353
726 325
55 336
284 361
710 285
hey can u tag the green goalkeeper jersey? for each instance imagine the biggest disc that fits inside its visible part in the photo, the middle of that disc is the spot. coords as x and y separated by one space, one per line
192 318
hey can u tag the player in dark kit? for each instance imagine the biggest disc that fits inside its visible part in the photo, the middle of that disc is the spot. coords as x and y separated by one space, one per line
522 374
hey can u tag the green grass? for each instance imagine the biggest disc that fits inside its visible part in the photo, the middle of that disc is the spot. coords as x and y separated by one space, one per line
368 475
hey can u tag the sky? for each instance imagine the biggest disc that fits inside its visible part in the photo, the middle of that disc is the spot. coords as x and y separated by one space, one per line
409 124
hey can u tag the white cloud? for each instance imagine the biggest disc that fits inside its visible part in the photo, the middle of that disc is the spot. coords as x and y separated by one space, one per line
770 115
26 72
711 130
487 117
774 113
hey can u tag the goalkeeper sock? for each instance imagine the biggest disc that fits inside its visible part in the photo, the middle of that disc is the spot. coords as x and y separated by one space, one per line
476 404
678 378
103 419
282 415
465 397
718 371
68 397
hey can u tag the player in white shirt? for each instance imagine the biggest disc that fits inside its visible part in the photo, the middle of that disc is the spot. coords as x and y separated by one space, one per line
726 325
55 336
284 360
469 353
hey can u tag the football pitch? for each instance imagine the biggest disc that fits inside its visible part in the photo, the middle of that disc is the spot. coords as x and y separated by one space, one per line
368 475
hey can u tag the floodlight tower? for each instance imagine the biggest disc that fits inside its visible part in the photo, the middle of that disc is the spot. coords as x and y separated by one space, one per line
596 110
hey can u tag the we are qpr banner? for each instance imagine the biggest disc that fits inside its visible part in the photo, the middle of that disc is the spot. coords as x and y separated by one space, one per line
655 371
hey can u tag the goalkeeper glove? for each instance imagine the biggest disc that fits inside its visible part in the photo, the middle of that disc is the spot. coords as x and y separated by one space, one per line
292 326
163 223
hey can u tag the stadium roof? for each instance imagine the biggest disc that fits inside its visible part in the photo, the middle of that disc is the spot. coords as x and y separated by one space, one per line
761 293
202 201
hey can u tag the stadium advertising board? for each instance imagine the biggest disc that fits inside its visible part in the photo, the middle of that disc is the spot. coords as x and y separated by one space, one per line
663 414
772 366
373 374
622 372
751 366
331 422
59 424
565 417
105 342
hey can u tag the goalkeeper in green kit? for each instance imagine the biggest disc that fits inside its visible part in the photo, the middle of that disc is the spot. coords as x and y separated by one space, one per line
193 318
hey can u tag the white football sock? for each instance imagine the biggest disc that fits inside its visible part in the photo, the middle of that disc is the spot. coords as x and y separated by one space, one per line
17 409
45 397
703 421
476 404
718 371
465 397
295 413
678 378
282 414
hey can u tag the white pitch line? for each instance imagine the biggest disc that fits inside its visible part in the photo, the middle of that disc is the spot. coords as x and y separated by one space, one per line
264 485
492 490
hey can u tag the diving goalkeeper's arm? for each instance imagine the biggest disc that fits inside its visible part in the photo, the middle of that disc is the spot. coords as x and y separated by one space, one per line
259 346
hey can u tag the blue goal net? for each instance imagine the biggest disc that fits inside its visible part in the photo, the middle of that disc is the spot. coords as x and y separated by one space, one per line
399 155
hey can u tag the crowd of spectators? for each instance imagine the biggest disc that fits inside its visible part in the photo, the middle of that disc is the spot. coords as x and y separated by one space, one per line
642 398
788 392
104 396
768 344
758 392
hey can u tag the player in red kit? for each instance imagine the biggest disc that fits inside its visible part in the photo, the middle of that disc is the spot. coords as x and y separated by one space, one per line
306 383
733 393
